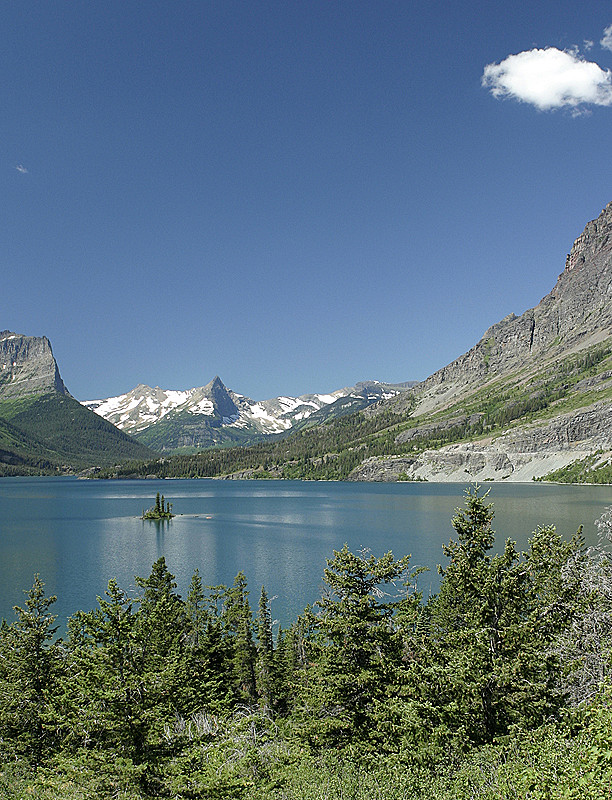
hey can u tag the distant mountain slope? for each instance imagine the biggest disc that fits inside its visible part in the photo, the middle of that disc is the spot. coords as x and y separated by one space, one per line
532 396
575 315
42 427
212 415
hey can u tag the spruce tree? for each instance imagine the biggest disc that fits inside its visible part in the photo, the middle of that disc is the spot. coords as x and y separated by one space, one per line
161 632
347 686
265 667
30 672
484 652
105 691
238 624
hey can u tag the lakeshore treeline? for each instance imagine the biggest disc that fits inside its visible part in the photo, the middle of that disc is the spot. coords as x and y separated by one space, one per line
496 687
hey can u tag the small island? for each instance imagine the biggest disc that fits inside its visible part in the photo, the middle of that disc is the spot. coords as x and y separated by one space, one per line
161 509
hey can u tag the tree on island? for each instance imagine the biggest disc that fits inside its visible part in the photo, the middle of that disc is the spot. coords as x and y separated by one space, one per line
161 509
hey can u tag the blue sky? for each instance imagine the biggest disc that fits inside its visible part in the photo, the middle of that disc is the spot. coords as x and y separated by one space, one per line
292 195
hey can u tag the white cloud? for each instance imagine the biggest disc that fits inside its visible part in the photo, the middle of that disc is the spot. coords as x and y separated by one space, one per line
606 42
22 169
550 78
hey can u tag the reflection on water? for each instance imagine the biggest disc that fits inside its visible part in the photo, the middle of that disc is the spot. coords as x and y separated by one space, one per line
79 534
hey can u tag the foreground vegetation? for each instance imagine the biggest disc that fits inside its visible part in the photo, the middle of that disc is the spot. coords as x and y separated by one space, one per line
497 687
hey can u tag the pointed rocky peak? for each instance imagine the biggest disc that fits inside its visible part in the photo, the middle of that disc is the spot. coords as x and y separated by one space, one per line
217 392
27 366
216 384
595 238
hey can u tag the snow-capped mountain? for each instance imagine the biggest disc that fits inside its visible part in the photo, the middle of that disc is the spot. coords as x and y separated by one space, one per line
212 414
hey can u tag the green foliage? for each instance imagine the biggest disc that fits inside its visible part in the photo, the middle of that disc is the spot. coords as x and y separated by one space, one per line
372 694
592 469
54 433
161 510
30 670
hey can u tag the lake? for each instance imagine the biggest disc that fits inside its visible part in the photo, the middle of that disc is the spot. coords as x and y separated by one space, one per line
78 534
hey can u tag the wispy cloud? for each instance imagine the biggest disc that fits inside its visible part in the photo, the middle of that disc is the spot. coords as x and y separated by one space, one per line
22 169
550 78
606 42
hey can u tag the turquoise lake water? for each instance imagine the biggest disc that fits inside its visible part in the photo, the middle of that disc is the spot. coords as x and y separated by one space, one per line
79 534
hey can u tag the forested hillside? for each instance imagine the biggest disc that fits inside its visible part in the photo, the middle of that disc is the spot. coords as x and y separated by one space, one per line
52 433
498 687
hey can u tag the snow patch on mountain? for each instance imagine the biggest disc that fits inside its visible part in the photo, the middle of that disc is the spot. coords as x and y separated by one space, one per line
139 409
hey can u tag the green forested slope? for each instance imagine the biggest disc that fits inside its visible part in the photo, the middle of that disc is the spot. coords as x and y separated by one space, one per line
182 430
53 432
498 687
22 454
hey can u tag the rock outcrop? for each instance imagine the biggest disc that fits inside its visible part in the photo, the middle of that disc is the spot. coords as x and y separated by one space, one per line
509 362
518 455
27 366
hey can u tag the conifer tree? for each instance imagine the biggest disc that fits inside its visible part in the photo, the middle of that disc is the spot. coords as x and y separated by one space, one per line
105 690
348 684
161 632
265 667
204 683
29 676
238 623
483 650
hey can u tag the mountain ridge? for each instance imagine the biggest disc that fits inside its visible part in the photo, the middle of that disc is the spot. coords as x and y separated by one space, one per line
555 326
213 414
533 395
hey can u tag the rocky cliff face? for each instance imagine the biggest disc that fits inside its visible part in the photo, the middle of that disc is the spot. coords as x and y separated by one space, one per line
27 366
518 455
575 314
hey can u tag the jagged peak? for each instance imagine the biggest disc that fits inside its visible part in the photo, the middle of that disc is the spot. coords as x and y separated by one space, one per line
596 237
216 383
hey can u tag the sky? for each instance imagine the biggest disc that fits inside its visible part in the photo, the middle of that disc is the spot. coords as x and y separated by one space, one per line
292 195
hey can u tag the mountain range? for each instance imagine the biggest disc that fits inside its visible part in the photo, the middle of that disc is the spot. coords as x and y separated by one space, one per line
532 398
170 420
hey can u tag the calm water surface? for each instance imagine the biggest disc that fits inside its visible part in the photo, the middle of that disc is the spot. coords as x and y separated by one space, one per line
79 534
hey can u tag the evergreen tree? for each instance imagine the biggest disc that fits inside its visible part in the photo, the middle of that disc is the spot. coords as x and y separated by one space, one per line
348 684
105 692
238 624
205 684
31 665
265 667
486 669
161 631
196 612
